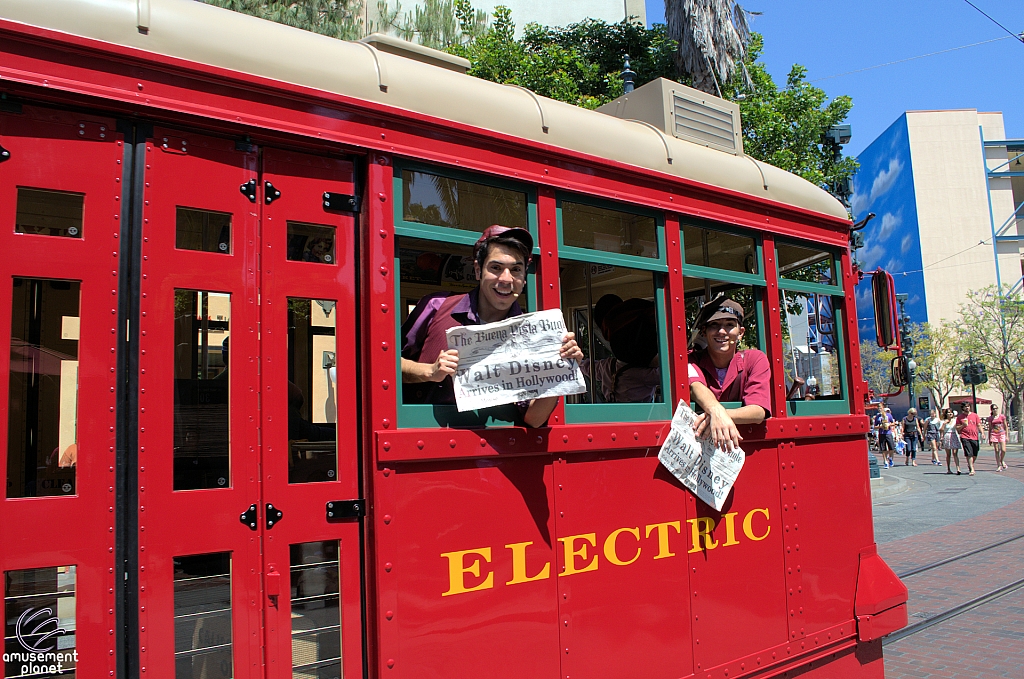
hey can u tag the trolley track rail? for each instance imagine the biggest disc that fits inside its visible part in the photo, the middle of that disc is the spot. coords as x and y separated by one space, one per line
988 597
964 555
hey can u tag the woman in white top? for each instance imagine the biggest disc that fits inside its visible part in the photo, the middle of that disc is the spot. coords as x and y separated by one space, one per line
931 434
950 440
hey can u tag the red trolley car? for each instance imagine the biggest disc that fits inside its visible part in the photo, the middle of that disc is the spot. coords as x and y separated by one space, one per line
212 229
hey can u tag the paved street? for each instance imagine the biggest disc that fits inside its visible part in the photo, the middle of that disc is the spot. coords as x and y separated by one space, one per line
922 516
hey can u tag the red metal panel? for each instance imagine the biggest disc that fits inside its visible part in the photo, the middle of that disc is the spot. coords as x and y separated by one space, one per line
47 152
824 568
773 317
204 173
676 312
856 384
738 571
302 181
623 585
468 576
550 293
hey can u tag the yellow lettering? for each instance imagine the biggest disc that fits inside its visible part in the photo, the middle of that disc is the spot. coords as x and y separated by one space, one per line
609 546
519 565
701 527
748 520
663 551
571 553
730 529
457 570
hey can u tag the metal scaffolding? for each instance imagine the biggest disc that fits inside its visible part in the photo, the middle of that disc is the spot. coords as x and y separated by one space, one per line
1012 167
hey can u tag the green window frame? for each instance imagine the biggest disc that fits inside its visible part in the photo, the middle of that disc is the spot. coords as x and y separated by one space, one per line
581 413
831 406
755 280
428 416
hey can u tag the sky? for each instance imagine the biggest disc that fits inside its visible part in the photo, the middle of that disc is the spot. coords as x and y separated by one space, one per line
833 38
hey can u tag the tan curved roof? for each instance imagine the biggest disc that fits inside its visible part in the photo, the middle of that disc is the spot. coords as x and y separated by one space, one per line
202 33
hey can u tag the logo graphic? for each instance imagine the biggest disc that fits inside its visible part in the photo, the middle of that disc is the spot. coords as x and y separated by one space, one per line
38 633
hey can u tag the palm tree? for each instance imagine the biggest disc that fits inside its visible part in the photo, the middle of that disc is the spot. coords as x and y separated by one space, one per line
712 37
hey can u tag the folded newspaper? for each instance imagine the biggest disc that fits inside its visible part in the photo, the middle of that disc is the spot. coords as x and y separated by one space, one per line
707 470
513 360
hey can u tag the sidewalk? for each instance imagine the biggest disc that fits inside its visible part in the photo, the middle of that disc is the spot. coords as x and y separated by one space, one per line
987 642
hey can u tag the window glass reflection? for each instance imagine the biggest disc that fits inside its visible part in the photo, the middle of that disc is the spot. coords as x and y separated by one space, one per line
316 612
201 350
805 264
596 228
202 616
719 249
613 311
310 243
40 615
42 419
810 347
202 230
49 213
312 396
459 204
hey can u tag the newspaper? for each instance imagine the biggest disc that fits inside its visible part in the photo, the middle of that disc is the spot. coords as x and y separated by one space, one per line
513 360
708 471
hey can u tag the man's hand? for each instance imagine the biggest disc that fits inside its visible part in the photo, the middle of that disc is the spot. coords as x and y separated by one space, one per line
446 364
723 430
570 350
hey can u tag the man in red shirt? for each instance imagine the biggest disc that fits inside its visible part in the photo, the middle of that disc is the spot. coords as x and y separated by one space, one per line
721 372
967 424
501 256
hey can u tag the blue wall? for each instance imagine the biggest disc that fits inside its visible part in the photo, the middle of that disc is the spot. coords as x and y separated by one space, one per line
885 185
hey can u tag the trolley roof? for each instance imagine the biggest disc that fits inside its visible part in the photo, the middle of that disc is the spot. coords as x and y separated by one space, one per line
202 33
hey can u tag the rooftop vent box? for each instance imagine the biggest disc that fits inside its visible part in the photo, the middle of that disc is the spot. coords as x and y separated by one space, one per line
683 112
410 50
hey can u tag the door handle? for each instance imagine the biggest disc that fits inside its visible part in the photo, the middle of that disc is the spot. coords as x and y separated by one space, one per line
273 580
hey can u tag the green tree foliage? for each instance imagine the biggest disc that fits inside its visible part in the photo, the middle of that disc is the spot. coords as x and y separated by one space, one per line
991 329
334 18
785 127
875 365
440 24
938 357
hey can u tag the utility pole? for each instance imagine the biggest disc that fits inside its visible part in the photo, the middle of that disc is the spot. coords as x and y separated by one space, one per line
908 345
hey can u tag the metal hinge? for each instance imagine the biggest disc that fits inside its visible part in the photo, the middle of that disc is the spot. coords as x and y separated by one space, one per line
248 190
342 202
4 154
248 517
345 509
270 194
274 515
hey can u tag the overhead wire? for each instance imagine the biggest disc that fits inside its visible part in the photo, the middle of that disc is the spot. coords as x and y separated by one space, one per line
1019 37
920 56
940 261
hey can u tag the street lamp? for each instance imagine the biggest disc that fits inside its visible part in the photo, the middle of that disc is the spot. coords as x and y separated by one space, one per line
812 385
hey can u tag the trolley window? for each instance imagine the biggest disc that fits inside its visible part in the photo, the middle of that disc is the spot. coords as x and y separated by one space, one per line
440 217
611 276
812 337
723 261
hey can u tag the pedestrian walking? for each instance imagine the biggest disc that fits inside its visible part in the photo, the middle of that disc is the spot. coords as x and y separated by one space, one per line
884 430
950 440
997 436
931 434
967 425
911 428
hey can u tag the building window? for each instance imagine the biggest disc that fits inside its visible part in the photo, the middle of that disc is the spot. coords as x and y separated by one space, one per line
440 217
612 268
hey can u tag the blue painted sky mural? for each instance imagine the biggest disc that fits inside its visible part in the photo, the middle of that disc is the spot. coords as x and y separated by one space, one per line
885 185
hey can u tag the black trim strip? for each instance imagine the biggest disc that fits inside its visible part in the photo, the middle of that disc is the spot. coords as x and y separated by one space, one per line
127 543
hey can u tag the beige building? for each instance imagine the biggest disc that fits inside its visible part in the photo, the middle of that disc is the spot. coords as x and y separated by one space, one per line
949 214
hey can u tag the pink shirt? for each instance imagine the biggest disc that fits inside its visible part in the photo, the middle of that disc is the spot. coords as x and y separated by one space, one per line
747 379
